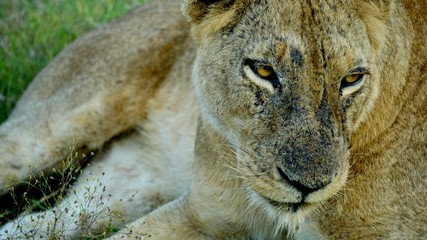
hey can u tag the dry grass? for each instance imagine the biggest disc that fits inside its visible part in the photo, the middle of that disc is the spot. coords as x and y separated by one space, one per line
41 193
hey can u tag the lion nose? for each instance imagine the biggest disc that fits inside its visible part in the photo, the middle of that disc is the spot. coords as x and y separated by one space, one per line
305 189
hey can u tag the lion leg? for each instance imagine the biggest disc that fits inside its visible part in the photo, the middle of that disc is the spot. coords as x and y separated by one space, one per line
185 218
33 142
170 221
94 90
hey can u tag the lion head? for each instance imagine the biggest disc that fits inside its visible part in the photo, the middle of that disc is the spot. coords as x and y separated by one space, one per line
287 84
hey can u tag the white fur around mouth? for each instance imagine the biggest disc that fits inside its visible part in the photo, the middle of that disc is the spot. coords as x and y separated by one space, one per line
291 207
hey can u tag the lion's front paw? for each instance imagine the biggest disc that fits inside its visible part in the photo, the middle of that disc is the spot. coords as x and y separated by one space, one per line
12 164
21 160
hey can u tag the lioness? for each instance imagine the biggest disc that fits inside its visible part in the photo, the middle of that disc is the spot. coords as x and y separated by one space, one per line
312 121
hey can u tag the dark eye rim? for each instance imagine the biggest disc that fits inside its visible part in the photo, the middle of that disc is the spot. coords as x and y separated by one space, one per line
254 64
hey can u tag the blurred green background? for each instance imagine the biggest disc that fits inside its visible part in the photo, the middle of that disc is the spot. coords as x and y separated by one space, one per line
32 32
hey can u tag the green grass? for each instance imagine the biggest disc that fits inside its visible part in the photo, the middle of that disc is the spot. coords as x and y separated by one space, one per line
32 32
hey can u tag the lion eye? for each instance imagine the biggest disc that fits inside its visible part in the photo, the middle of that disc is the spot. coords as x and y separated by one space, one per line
265 71
261 74
352 79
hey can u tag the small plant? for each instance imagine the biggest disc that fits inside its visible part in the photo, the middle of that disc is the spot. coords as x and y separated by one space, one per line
53 215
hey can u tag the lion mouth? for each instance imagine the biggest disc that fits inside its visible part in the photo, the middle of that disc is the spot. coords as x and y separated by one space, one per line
287 206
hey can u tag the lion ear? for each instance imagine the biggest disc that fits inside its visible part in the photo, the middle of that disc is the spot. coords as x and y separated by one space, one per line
211 16
196 10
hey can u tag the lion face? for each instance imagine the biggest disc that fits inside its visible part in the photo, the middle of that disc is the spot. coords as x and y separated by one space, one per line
286 83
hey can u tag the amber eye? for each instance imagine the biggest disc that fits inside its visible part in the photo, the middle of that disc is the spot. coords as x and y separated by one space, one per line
264 71
351 80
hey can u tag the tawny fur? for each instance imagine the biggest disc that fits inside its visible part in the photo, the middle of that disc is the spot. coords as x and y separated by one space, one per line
298 159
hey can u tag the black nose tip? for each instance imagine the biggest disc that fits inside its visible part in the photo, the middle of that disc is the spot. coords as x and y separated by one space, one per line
305 190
